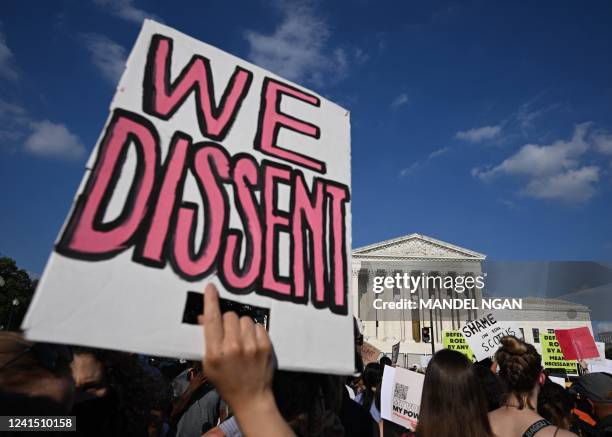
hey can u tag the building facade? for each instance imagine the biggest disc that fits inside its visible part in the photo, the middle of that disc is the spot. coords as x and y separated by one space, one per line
418 255
606 337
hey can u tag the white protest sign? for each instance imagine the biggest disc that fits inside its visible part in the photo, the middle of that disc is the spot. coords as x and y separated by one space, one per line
605 366
599 362
425 359
209 169
484 334
557 380
400 396
601 348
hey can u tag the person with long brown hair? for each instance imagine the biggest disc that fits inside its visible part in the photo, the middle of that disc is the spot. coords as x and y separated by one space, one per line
452 402
370 397
520 369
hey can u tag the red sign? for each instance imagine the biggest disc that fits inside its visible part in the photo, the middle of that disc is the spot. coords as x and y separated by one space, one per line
577 343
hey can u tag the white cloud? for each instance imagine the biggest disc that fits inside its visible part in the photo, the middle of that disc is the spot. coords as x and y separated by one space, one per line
8 70
400 100
525 116
53 140
437 153
510 204
574 185
535 160
412 168
125 10
479 134
360 56
13 120
11 109
297 47
553 171
108 56
603 142
44 138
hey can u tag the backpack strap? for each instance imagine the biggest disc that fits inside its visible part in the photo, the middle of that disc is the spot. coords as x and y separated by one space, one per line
535 427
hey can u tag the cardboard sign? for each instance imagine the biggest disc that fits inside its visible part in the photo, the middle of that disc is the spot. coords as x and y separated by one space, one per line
209 169
369 353
553 356
395 353
400 396
484 335
455 340
577 343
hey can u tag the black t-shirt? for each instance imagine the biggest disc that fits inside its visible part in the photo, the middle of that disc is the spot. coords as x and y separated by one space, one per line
355 419
604 426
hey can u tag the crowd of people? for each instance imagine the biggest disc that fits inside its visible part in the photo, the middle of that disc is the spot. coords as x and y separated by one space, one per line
237 390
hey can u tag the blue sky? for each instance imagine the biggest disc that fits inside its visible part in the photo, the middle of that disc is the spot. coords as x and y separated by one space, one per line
488 125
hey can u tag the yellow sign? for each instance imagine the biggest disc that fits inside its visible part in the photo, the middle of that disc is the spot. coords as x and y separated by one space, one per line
553 357
455 340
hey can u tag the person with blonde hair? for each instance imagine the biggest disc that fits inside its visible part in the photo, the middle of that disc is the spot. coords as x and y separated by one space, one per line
521 372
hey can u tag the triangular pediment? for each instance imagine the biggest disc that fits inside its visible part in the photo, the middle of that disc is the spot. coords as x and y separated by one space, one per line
417 246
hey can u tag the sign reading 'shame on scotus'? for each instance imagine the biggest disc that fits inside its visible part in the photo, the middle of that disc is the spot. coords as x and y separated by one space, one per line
484 335
209 169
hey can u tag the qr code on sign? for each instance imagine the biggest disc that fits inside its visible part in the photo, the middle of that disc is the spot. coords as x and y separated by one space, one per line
401 391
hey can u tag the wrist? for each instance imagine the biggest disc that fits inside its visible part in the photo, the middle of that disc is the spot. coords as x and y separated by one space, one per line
261 403
254 408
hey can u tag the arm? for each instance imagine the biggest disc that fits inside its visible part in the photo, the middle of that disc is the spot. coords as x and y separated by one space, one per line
238 360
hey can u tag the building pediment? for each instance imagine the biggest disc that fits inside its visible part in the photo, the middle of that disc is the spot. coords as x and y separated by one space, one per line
416 246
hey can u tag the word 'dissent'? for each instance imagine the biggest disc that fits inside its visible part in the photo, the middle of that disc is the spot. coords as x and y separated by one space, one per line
160 226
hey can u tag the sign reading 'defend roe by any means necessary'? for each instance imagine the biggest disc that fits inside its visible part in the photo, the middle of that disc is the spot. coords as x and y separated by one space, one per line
454 340
209 169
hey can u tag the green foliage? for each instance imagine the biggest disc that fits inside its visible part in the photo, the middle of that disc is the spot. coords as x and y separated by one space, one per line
17 285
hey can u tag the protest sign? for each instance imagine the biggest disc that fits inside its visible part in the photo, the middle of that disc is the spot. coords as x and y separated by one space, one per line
577 343
604 366
209 170
400 396
557 380
484 335
454 340
553 356
395 353
425 359
601 349
369 353
598 364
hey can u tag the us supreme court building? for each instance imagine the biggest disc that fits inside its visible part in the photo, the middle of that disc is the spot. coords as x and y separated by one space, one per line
418 255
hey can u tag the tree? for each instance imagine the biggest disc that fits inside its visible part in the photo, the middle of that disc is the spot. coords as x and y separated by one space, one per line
15 284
